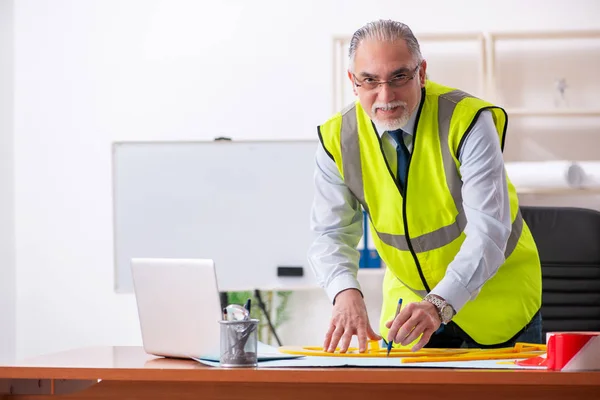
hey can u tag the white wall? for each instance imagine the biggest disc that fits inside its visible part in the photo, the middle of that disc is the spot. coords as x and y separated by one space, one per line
91 72
7 191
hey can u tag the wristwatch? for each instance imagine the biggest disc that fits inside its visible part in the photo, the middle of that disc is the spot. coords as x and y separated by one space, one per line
445 310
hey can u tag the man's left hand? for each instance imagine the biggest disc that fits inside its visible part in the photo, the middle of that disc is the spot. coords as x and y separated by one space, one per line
412 321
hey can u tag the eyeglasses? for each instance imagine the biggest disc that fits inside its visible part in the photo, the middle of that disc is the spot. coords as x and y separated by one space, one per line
397 81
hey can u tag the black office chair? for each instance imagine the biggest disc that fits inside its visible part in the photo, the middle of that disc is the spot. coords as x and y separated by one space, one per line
568 240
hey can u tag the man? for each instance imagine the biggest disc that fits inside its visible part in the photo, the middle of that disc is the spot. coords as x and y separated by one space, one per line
425 162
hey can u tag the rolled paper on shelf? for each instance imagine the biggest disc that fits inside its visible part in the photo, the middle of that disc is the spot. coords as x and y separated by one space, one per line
591 171
559 174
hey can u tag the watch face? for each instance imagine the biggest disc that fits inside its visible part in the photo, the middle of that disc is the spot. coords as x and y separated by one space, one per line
446 313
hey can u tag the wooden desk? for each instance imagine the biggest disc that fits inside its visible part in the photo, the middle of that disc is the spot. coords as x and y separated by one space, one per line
129 373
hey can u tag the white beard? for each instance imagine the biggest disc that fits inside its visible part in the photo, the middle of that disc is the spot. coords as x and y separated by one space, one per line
391 124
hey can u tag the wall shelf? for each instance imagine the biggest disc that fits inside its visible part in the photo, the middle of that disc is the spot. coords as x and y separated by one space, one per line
560 191
556 112
573 34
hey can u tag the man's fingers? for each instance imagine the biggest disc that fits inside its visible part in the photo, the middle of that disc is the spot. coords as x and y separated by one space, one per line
424 339
335 338
412 335
399 323
349 318
345 343
328 336
408 327
361 333
389 324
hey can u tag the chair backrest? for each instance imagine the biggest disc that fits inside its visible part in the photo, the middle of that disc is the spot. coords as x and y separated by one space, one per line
568 240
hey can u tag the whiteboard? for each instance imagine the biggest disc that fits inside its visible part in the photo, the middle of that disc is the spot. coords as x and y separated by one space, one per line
244 204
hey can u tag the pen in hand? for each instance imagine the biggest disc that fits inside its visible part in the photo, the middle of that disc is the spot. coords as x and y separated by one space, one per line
391 342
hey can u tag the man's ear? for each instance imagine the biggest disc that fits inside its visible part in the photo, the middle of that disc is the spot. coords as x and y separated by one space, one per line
351 77
423 73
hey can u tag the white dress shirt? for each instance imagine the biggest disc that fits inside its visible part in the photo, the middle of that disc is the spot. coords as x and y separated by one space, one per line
337 222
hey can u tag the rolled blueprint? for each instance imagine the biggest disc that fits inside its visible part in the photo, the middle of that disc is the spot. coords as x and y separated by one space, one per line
591 171
555 174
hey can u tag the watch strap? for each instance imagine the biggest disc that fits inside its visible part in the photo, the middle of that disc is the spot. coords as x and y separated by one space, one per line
440 304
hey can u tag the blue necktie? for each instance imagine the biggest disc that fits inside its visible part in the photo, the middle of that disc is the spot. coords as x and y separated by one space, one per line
403 156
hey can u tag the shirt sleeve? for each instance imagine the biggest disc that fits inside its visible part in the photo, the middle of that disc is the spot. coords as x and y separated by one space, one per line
336 222
487 209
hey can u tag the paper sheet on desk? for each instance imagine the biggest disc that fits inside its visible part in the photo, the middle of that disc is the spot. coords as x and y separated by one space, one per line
265 353
381 362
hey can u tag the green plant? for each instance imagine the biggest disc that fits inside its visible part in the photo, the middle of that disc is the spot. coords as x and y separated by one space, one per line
281 314
276 305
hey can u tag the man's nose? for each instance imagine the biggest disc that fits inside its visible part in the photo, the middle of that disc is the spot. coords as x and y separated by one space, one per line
386 94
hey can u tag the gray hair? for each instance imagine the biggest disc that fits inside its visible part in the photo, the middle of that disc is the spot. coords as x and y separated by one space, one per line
385 30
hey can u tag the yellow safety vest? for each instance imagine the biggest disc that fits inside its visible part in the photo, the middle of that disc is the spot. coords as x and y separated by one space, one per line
419 234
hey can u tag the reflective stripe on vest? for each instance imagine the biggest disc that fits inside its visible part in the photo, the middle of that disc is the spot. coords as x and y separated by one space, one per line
352 169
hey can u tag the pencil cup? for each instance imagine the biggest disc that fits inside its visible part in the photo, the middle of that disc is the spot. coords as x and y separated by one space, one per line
239 341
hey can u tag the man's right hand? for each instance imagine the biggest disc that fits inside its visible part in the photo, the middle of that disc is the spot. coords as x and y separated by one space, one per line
349 318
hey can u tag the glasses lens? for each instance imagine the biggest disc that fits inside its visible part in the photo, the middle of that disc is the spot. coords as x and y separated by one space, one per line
398 82
370 85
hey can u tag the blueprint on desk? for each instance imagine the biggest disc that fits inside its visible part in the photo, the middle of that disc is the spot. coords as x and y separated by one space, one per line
281 361
394 362
265 353
271 357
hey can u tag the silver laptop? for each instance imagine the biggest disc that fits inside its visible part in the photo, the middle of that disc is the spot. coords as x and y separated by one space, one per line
178 306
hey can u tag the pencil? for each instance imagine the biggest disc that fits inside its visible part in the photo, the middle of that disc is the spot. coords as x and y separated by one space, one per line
391 342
